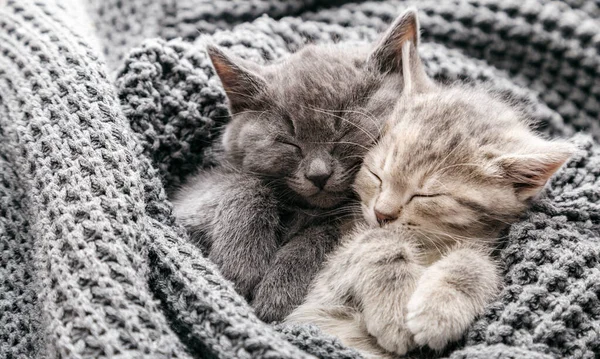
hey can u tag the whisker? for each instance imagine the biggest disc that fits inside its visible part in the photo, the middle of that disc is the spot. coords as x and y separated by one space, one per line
379 125
462 238
456 165
347 121
433 242
347 143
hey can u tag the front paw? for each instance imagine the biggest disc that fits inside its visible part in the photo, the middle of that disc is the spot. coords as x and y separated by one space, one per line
245 277
436 318
272 302
391 337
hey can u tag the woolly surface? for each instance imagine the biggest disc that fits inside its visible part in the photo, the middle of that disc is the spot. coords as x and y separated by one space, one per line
106 105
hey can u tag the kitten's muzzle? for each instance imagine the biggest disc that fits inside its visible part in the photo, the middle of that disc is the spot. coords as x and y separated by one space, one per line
384 218
319 180
318 173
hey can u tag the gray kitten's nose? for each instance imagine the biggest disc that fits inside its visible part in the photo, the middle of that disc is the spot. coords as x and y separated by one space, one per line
319 179
383 218
318 173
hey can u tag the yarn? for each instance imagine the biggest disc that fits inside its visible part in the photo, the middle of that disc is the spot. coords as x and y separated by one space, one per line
106 106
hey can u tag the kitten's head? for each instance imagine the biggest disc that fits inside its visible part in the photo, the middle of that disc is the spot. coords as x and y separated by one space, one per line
453 162
305 123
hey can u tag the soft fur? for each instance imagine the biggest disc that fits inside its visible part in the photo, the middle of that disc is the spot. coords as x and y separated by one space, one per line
300 128
454 166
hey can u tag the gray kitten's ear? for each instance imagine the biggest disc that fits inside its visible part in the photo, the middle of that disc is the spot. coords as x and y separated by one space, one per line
397 52
241 79
530 172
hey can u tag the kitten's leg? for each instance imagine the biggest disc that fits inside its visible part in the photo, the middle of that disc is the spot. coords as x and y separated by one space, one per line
234 216
450 294
390 270
294 266
343 322
332 306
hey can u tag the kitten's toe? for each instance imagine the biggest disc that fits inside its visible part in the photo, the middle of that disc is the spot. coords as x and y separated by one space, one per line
393 338
266 312
270 303
399 342
423 333
435 325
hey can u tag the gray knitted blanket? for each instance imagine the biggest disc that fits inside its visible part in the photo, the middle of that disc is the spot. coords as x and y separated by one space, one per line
106 105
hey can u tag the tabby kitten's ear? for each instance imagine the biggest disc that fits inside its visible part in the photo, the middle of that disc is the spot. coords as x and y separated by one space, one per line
241 79
397 52
529 172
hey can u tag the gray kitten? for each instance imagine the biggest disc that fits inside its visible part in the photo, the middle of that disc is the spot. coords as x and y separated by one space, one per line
453 168
300 128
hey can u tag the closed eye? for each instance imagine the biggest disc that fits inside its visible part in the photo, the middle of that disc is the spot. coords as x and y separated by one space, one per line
374 175
288 143
426 195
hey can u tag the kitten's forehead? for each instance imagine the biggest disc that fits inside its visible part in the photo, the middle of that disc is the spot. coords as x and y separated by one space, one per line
446 129
313 85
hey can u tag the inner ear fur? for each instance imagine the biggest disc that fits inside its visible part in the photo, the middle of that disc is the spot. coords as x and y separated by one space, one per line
241 79
530 172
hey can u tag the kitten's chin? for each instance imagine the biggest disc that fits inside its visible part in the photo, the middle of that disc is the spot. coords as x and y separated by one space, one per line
314 197
369 216
325 199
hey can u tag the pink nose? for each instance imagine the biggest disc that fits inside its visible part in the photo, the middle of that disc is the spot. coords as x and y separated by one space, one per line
383 218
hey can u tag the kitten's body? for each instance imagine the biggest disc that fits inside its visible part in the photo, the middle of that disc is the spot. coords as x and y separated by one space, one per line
381 293
269 215
454 166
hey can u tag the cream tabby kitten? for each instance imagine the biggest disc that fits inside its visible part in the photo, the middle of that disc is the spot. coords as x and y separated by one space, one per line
453 168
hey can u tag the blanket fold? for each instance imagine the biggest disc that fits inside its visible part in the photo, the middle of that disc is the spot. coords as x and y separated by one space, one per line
106 106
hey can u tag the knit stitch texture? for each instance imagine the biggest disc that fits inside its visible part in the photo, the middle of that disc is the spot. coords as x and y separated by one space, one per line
107 105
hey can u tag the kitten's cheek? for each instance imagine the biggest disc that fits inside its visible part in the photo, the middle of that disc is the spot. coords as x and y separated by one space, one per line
269 163
369 215
361 191
301 186
372 221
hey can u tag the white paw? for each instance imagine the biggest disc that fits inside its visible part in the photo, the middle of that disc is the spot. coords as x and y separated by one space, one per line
435 323
393 338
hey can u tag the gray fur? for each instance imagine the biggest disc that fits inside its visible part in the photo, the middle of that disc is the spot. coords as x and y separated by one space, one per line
300 127
219 208
453 168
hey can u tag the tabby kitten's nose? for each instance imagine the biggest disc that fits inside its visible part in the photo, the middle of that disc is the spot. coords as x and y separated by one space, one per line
383 218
